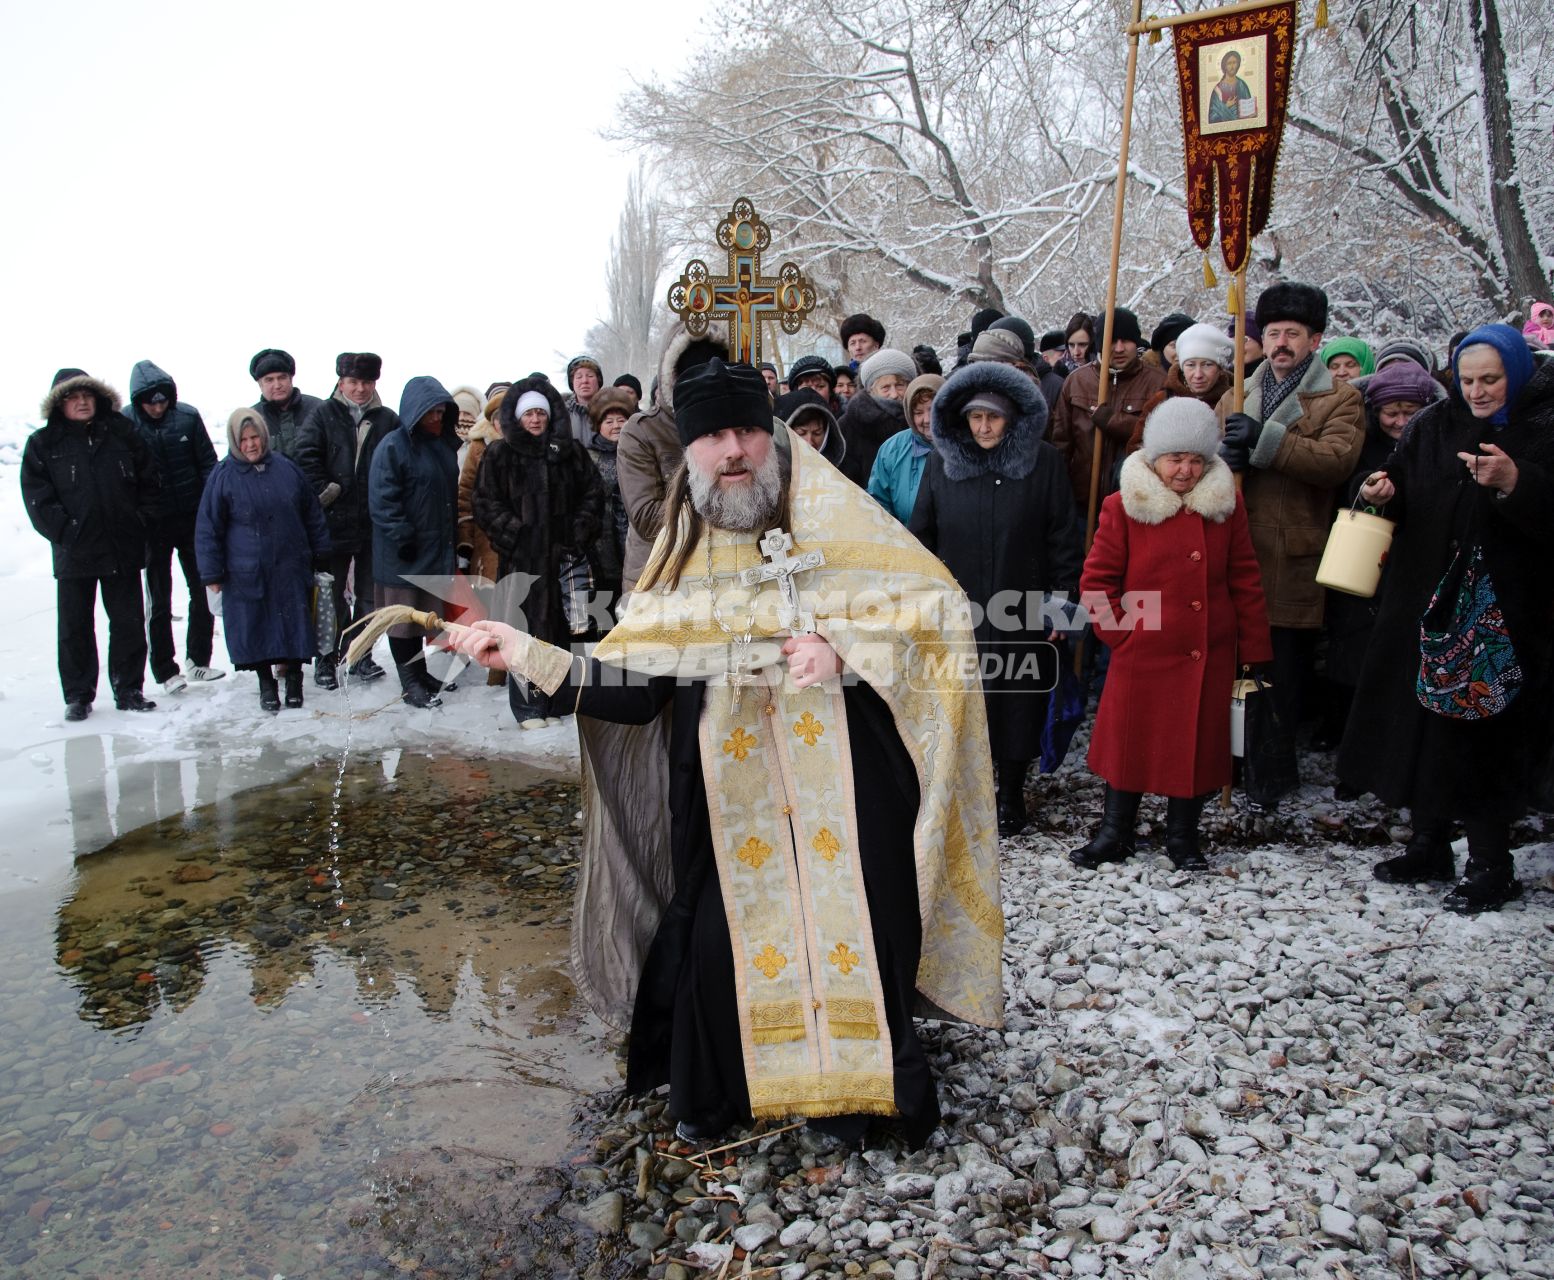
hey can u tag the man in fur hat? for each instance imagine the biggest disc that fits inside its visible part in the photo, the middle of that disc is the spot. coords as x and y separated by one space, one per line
91 488
1080 424
584 378
334 450
789 822
862 336
281 403
1296 441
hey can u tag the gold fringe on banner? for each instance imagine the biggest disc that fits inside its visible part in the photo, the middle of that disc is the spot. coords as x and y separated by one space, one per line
1210 280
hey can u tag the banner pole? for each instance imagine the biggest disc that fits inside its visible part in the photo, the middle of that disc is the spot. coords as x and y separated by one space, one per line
1103 389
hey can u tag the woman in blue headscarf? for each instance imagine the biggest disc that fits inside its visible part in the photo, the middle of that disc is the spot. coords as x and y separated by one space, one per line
1471 477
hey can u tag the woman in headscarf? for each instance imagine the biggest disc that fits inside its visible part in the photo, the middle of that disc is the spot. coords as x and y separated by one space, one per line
1348 358
899 465
1176 531
259 536
609 411
995 505
1470 485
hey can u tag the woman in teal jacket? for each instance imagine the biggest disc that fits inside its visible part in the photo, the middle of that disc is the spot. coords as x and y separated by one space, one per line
898 466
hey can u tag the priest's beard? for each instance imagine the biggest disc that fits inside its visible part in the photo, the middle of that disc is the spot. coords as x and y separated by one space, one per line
745 509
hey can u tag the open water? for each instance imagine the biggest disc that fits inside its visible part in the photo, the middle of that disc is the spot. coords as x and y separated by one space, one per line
237 1047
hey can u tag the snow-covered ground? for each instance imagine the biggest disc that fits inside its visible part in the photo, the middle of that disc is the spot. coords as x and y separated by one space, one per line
69 788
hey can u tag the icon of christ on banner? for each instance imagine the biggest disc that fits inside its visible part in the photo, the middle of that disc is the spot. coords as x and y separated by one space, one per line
1232 79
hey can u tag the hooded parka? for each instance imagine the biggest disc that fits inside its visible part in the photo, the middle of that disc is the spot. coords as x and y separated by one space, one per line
179 443
90 487
1003 522
413 490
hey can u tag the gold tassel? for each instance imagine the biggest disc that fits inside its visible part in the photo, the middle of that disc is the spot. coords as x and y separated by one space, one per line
1154 35
1321 15
1233 299
1210 280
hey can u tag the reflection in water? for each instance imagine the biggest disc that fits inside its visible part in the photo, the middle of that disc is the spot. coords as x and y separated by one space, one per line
249 1051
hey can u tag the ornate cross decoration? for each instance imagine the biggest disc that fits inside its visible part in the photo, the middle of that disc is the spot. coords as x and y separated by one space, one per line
742 297
780 567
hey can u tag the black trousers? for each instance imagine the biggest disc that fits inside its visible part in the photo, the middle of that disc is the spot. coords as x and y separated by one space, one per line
170 538
341 564
77 598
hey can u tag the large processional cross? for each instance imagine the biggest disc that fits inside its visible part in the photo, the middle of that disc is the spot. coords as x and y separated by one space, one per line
742 297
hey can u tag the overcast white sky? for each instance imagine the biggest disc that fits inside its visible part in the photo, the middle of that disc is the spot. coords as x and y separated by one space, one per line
189 182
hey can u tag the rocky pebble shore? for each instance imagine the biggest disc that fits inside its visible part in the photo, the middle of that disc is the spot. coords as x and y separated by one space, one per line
1277 1068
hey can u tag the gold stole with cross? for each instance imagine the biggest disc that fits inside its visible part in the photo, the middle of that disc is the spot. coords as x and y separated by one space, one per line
784 833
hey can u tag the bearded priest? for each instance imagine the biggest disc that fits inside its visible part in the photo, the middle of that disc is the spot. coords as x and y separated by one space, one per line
790 846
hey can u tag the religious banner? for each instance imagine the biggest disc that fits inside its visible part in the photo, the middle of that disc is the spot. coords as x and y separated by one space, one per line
1234 71
743 297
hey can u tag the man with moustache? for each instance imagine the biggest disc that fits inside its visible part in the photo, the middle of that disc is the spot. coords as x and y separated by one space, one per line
1296 441
789 831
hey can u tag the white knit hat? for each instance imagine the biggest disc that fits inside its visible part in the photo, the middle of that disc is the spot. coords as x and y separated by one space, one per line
1182 424
531 400
886 360
1204 342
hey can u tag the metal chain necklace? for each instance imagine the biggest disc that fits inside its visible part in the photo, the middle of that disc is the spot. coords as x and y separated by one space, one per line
739 645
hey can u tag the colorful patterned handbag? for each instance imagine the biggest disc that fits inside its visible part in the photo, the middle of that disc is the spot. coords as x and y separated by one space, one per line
1468 668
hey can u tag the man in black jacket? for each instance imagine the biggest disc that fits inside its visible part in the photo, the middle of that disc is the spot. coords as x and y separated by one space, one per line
180 447
334 450
90 485
283 407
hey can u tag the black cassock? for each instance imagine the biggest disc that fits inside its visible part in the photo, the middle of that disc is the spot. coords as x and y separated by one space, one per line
685 1023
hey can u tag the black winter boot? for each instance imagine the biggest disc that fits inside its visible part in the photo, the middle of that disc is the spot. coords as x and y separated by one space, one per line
412 672
269 691
1489 880
1012 815
294 685
1113 839
1426 857
1182 845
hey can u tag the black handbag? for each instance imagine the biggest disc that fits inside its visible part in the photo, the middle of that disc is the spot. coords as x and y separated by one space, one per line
1268 769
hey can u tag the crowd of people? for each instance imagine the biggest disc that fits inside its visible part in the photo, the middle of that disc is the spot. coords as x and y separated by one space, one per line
324 509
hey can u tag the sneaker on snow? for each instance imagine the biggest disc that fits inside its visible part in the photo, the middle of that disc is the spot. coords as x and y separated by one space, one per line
174 683
532 724
205 673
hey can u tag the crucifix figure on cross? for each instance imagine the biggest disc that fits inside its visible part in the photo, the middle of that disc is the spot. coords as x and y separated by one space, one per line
780 567
742 297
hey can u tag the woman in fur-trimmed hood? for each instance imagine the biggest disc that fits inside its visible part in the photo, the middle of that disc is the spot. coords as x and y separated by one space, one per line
1175 532
995 505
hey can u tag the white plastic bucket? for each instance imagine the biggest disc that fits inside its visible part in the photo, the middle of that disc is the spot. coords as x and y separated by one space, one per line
1356 549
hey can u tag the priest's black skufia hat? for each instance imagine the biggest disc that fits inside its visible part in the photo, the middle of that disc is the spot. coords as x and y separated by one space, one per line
714 396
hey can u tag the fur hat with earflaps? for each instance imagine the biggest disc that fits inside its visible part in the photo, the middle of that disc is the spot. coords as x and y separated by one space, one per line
359 364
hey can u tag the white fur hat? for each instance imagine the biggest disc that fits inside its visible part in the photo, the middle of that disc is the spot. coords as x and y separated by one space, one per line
1204 342
1181 424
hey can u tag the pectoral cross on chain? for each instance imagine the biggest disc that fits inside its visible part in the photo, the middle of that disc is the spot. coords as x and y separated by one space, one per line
780 567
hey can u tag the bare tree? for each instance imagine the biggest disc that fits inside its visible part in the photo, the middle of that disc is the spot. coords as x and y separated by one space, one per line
927 157
628 338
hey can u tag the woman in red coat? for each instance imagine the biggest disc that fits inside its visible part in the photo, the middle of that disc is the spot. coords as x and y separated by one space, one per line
1173 560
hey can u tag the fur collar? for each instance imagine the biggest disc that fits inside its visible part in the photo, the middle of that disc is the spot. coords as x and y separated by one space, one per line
107 397
1146 499
484 430
1316 381
1014 457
